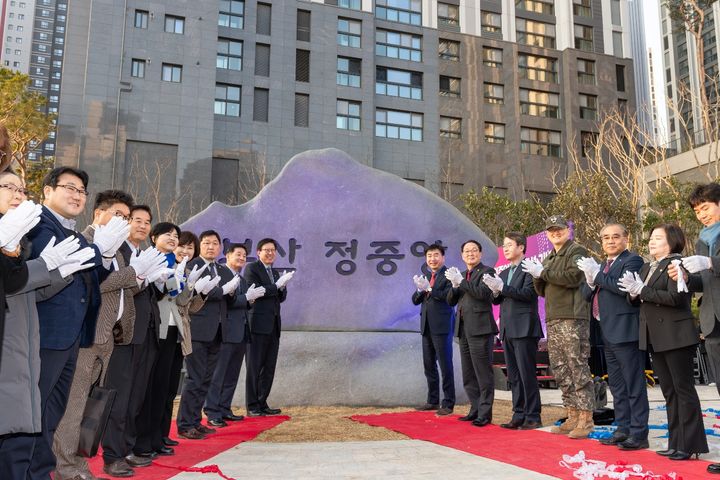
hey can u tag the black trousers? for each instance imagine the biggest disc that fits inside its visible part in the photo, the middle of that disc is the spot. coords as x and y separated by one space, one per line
225 379
262 355
30 456
521 361
437 350
712 347
478 380
200 365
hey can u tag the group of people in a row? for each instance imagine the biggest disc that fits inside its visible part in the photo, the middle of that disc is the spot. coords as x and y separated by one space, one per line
640 306
99 307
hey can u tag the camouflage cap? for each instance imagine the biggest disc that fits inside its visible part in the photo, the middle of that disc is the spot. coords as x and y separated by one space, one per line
556 221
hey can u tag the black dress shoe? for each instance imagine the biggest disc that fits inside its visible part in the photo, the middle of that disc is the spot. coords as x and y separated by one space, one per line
512 424
442 411
205 430
680 455
169 442
714 468
165 451
118 469
233 418
480 422
633 444
192 434
135 461
530 425
615 439
666 453
255 413
427 407
149 455
271 411
468 418
217 422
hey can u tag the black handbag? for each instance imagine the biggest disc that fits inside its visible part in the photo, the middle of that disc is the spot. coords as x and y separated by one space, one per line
95 417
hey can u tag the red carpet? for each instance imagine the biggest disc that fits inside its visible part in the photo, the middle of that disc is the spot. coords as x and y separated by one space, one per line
533 450
191 452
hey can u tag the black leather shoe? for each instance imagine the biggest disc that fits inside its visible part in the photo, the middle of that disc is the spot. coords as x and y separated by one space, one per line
205 430
255 413
480 422
666 453
217 422
169 442
615 439
530 425
680 455
271 411
149 455
427 407
512 424
165 451
468 418
233 418
443 411
633 444
135 461
192 434
119 469
714 468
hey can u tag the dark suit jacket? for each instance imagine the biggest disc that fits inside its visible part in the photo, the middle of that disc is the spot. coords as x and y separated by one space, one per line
474 301
518 302
707 282
666 320
618 319
72 313
206 321
265 314
236 320
13 276
436 316
146 306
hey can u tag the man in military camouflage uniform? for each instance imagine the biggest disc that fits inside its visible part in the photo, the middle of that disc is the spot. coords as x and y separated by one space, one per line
567 315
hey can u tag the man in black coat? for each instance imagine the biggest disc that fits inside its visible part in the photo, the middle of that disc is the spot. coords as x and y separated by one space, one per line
436 326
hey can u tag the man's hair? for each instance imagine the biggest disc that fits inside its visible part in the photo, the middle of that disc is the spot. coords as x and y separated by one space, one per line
704 193
186 238
232 246
674 235
52 178
435 246
163 228
265 241
210 233
8 171
518 238
623 228
462 247
108 198
144 208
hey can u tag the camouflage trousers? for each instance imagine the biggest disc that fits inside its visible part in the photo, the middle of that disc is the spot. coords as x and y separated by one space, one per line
569 350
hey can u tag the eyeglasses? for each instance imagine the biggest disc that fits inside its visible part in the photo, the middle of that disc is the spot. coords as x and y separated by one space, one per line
117 213
474 250
268 250
74 189
15 189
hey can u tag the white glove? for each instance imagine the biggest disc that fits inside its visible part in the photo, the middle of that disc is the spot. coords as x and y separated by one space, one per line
590 268
533 267
17 222
230 286
180 271
75 262
253 293
194 274
696 263
109 237
160 274
422 283
681 285
201 283
631 283
54 255
494 283
207 288
284 279
454 275
147 261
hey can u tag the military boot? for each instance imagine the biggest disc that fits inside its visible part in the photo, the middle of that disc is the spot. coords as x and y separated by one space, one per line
584 425
569 424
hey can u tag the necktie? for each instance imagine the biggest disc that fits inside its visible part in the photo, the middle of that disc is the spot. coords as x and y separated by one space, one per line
595 305
467 275
213 272
511 271
432 279
269 272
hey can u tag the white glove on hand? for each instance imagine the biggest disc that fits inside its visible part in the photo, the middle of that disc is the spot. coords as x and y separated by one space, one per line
590 268
494 283
207 288
253 293
230 286
422 283
147 261
696 263
194 275
631 283
160 275
454 275
109 237
180 271
533 267
17 222
284 279
54 255
75 262
681 285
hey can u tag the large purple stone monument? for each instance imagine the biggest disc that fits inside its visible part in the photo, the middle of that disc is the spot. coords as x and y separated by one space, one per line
355 237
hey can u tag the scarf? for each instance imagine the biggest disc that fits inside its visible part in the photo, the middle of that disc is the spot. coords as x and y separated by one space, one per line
709 236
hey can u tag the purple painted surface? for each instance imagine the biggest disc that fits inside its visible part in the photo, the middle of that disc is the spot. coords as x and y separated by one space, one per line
324 196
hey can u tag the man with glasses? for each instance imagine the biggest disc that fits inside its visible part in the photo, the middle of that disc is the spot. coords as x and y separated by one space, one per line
265 324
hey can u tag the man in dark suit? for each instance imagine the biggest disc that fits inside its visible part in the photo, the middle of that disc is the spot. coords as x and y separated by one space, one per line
520 331
436 328
207 333
265 326
619 326
476 330
235 335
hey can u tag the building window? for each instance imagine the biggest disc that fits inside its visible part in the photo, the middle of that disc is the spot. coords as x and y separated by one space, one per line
494 93
171 73
42 48
533 67
229 54
538 6
494 132
174 24
232 14
450 127
40 59
449 86
302 65
404 46
534 141
398 83
348 71
348 115
588 107
492 57
448 16
617 44
399 125
141 18
582 8
449 50
55 87
401 11
584 38
350 4
302 32
227 100
491 22
615 16
539 104
586 71
138 68
261 99
264 19
262 60
588 140
302 110
348 32
537 34
620 77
